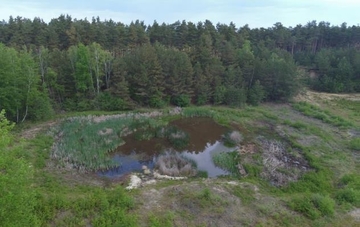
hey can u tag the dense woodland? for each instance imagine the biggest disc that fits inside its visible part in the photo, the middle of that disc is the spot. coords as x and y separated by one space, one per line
70 64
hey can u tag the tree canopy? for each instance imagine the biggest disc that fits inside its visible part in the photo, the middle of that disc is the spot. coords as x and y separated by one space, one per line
71 64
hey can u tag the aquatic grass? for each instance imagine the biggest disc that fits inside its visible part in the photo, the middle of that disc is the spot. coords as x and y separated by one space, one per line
227 161
85 142
178 138
197 112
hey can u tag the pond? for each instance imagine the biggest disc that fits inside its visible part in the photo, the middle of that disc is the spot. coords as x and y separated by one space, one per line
204 141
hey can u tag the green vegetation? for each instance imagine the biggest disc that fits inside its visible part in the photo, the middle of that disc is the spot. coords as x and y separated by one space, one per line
227 161
310 176
323 115
322 183
313 205
85 144
355 144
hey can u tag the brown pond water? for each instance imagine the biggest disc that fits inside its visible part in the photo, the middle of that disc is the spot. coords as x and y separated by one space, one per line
204 140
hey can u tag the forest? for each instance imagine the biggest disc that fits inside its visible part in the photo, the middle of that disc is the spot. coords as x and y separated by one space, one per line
76 64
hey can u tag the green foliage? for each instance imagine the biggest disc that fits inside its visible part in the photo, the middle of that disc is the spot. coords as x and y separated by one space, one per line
235 97
317 182
105 101
181 100
313 206
325 116
350 190
348 195
17 200
256 94
227 161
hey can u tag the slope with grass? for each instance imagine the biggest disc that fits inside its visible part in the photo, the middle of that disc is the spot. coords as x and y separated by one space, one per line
297 165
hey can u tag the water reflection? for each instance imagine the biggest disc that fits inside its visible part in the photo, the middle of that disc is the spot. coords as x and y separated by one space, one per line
204 142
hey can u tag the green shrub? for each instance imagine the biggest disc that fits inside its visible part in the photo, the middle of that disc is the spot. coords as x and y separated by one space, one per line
313 206
351 180
105 101
181 100
157 102
235 97
348 195
315 182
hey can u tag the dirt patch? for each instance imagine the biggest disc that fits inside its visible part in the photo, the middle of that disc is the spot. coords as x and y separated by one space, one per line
195 204
249 148
281 167
355 214
314 97
34 130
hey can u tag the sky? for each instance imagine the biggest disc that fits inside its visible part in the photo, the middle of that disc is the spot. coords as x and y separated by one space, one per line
255 13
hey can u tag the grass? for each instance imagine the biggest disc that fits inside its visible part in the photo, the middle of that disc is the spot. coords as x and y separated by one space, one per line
320 197
355 144
323 115
313 206
227 161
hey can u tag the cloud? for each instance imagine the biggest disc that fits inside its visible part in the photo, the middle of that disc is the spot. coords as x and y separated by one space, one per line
241 12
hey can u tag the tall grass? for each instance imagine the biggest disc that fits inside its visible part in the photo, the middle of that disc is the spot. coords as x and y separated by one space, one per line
198 112
84 143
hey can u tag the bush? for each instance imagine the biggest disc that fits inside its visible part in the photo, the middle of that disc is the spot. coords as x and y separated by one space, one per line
181 100
156 101
313 205
40 107
235 97
256 94
348 195
105 101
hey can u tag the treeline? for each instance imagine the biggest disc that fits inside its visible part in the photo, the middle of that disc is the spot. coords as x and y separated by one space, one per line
81 65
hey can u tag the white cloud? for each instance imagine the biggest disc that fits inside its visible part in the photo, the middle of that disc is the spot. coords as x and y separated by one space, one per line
241 12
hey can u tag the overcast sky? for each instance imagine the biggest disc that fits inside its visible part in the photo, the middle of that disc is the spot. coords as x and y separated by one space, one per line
255 13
